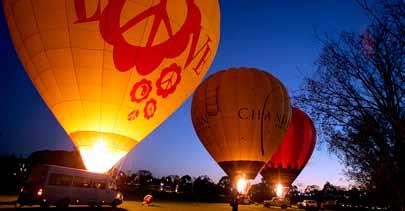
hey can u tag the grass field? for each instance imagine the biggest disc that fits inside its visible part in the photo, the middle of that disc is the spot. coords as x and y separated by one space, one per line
157 206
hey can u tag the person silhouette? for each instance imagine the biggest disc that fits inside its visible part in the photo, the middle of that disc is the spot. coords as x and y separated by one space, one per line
235 201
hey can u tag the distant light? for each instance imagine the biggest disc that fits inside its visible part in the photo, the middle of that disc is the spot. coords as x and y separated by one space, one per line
40 192
99 158
279 190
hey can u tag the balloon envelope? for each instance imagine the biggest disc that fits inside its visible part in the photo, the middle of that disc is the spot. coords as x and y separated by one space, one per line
240 116
112 71
294 152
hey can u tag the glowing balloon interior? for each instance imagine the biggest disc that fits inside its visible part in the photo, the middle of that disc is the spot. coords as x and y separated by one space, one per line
112 71
242 185
279 190
240 116
99 151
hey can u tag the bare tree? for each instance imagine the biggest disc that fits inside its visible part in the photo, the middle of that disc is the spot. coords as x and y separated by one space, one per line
357 99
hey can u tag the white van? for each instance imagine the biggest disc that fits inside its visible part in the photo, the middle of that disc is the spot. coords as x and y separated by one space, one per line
61 186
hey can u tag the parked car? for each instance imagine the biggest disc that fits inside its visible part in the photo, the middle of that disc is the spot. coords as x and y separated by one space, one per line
277 202
300 204
329 204
310 204
57 185
244 199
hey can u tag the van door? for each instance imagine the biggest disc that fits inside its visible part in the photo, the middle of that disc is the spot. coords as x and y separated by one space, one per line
93 193
58 187
82 191
104 193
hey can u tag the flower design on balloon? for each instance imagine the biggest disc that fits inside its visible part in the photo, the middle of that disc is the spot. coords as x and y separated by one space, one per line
133 115
140 91
169 79
149 109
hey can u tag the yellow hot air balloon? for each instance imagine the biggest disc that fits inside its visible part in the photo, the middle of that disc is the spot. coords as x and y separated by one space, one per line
240 116
112 71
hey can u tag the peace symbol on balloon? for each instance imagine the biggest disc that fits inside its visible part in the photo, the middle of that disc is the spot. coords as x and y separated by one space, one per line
146 59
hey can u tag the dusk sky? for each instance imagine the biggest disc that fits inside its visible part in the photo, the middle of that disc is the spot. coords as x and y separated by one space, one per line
276 36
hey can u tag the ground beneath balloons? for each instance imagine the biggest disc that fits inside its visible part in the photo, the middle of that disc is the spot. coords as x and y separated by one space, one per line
157 206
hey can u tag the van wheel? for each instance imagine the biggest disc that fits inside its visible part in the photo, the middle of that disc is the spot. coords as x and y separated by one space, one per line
18 205
63 203
115 204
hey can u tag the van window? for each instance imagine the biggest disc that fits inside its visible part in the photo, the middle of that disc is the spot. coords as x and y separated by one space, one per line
112 186
99 184
38 175
82 182
60 179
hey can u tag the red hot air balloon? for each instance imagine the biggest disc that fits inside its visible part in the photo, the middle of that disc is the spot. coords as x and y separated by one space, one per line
294 152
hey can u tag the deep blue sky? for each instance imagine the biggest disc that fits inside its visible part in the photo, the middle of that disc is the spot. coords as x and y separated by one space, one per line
278 36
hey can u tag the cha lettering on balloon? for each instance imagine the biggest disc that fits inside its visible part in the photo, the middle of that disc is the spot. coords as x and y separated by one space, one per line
261 115
253 114
281 121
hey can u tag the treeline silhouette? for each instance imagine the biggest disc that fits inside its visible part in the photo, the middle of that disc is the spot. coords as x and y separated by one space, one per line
15 169
136 185
202 188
